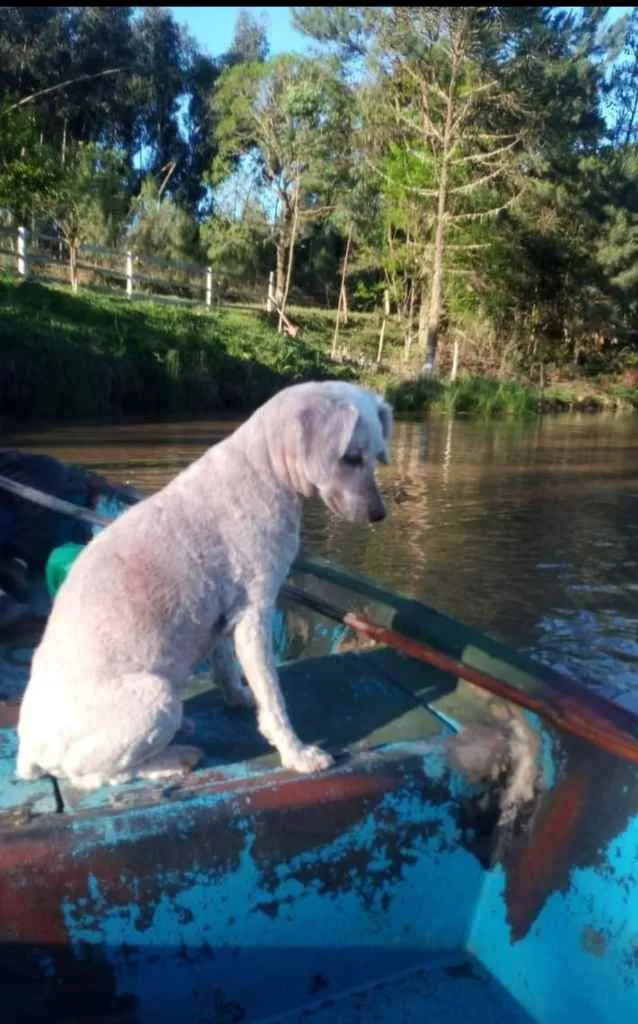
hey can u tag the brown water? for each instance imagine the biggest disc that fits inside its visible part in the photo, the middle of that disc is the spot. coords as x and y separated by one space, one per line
529 532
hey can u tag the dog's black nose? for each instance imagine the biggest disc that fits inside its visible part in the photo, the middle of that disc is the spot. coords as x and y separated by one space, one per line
377 514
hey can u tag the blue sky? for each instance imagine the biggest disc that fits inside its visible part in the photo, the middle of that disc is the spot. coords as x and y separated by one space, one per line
213 26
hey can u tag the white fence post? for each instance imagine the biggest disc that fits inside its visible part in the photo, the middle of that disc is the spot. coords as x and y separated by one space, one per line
270 300
129 273
386 314
23 255
209 286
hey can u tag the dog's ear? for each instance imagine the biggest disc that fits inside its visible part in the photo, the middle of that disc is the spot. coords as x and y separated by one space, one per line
326 431
387 421
343 422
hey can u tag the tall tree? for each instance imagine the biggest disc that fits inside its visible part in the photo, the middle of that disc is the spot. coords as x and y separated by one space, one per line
28 170
287 118
249 42
159 227
622 84
90 200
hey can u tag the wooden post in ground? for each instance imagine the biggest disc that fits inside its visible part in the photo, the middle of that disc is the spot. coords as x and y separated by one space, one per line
209 286
386 314
129 274
270 297
23 255
73 265
455 358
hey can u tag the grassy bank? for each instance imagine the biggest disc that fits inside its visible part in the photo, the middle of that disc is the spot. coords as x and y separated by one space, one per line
486 398
66 356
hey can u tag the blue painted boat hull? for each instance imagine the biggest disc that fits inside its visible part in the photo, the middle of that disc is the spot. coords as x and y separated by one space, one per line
390 888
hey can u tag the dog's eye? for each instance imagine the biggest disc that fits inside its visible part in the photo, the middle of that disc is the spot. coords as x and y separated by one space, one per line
352 460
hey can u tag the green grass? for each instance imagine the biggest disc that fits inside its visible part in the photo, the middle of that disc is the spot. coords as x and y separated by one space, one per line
91 355
478 397
586 396
66 356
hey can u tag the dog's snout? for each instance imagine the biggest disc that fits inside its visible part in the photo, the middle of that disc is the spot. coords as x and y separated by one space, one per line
377 513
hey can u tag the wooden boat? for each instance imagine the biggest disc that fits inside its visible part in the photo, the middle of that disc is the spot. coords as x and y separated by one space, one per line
464 860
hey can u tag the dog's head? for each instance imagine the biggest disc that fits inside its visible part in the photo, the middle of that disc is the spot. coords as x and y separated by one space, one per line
344 431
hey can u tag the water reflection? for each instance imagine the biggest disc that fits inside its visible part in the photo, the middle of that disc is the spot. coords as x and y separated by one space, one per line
528 531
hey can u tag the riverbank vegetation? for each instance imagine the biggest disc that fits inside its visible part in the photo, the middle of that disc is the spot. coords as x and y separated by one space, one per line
65 356
447 199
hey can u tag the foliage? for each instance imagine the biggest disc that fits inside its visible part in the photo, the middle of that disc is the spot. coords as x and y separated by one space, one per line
67 356
28 171
90 201
161 228
478 397
288 118
479 164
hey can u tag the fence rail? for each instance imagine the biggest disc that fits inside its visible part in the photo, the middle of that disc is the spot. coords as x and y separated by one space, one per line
31 251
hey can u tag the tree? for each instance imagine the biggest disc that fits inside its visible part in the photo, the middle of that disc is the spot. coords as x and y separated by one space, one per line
160 227
162 61
250 41
454 134
155 109
41 48
621 87
29 171
89 201
239 245
476 118
287 119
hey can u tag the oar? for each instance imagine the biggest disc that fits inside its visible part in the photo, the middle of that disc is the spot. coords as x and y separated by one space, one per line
558 709
49 501
563 710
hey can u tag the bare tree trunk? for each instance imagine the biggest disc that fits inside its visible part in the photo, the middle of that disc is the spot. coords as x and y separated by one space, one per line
434 315
410 325
280 269
335 336
343 294
455 359
291 256
576 353
342 305
283 240
386 314
63 154
423 316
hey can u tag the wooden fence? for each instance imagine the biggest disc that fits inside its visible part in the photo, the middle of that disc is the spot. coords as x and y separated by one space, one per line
42 257
49 258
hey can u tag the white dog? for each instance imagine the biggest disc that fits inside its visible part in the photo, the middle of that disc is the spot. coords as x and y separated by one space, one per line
175 576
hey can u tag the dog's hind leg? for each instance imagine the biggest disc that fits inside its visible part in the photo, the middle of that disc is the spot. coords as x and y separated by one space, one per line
134 743
227 674
253 642
174 762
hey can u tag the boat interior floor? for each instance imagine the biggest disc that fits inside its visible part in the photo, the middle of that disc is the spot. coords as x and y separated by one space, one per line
349 703
450 989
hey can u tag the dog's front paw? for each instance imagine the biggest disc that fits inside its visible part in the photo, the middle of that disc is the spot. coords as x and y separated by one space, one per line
308 759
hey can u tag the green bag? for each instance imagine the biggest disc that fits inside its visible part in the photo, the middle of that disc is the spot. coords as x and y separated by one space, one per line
58 564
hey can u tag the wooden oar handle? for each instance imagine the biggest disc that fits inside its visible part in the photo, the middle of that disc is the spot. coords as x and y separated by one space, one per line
560 710
49 501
